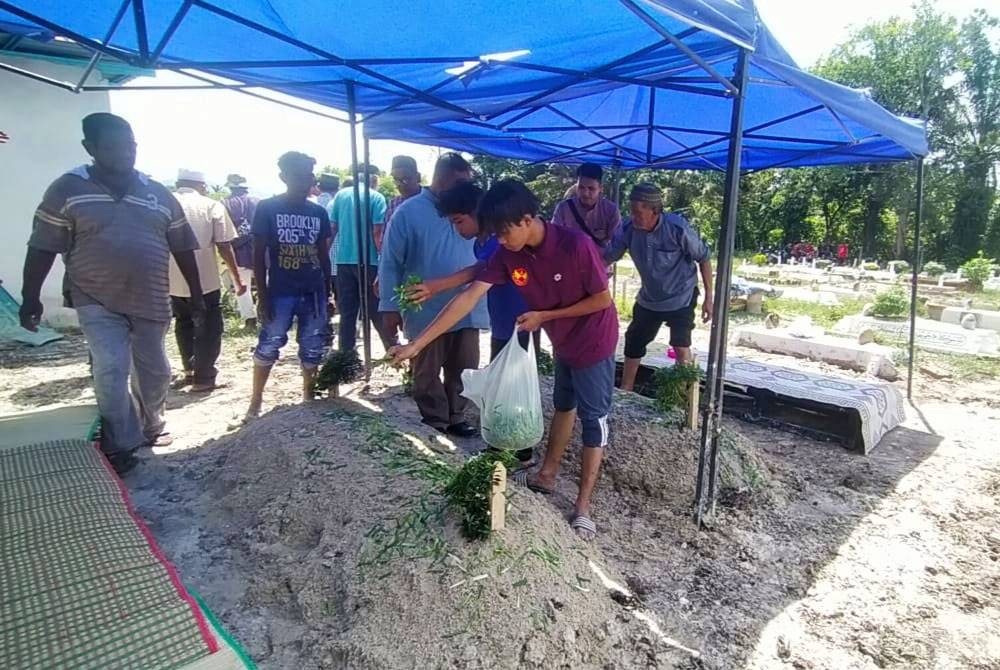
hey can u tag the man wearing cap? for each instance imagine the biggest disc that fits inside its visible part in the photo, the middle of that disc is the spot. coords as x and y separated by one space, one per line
199 334
241 207
669 255
587 210
407 178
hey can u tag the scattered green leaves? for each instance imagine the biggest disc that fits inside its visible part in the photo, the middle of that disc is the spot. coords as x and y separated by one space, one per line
672 383
403 295
340 367
468 492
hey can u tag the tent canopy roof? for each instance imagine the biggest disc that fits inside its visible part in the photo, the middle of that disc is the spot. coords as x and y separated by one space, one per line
629 82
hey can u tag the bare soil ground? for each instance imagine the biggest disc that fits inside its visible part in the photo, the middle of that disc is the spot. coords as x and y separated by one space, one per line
320 546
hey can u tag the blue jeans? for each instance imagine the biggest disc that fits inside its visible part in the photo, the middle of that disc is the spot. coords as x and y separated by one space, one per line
309 311
122 347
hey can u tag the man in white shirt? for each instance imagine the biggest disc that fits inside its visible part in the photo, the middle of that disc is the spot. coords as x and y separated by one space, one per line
199 334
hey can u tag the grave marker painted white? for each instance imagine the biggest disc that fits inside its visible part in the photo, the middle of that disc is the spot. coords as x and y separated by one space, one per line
931 335
984 318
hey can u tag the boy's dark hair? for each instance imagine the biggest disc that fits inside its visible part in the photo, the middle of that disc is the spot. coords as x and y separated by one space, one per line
505 204
590 171
451 161
463 198
293 158
97 123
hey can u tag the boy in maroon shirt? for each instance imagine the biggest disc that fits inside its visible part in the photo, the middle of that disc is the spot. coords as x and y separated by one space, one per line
561 277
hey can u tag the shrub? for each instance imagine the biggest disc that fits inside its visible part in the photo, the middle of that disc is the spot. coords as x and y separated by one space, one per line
672 384
901 266
890 305
934 269
870 267
978 270
759 259
775 237
822 264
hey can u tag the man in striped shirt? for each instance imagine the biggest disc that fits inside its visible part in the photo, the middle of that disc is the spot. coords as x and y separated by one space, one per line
117 230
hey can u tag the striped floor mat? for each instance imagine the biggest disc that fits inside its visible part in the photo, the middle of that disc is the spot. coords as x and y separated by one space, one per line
82 582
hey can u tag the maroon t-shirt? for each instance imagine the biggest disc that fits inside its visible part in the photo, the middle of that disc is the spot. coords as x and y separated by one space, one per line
562 271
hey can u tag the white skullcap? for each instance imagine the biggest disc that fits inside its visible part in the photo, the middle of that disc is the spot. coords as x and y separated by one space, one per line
190 175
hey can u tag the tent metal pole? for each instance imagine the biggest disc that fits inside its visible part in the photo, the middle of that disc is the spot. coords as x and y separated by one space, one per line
66 32
352 120
37 77
685 49
139 11
711 425
366 325
96 58
916 273
175 23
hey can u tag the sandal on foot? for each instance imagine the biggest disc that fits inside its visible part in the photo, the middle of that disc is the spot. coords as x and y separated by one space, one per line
584 527
521 478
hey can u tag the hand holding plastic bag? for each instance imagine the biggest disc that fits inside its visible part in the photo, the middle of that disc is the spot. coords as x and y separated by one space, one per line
507 395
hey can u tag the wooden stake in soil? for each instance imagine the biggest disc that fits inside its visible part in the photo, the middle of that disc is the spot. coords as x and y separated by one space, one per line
498 498
694 390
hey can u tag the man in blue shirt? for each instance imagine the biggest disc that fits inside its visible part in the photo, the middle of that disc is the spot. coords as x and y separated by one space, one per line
345 226
291 250
423 243
668 254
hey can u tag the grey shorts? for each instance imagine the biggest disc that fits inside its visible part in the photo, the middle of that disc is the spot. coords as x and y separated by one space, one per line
589 391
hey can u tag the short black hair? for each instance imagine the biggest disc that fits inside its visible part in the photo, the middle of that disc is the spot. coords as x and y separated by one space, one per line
97 123
590 171
463 198
290 158
451 161
505 204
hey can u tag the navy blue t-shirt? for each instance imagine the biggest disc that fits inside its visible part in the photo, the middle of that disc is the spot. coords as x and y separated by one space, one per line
294 233
503 300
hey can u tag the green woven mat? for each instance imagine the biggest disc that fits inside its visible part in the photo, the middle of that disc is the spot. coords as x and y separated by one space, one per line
80 584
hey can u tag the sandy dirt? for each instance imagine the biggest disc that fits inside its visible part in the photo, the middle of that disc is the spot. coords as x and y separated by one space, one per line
318 548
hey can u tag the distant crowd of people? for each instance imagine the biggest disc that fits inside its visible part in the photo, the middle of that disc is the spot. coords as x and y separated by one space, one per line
137 255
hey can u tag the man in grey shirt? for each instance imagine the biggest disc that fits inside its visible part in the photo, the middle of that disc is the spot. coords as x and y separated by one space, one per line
422 242
117 229
668 254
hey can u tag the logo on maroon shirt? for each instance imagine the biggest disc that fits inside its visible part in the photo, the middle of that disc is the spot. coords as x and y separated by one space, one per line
519 276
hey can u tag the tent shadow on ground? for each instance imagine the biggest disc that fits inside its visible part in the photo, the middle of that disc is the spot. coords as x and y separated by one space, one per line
763 555
765 551
53 391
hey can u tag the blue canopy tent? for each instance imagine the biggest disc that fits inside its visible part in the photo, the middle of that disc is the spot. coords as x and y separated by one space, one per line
634 83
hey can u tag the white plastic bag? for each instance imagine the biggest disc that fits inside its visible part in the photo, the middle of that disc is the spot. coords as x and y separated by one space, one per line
507 395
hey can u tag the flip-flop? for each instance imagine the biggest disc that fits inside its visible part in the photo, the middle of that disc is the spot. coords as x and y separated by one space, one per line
584 527
521 477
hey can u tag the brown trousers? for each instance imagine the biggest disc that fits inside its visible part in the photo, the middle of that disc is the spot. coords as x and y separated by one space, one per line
439 403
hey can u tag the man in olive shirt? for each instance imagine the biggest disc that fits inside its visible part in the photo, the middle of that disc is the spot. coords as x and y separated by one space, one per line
117 229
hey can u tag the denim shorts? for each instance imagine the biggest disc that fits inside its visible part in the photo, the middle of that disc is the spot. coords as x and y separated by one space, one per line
589 391
309 312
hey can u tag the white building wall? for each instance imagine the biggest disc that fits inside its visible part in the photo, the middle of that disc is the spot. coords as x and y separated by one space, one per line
43 123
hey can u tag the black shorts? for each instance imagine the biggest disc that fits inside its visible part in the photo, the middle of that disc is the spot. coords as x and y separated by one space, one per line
646 324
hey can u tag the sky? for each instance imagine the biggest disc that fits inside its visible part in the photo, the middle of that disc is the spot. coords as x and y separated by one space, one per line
218 132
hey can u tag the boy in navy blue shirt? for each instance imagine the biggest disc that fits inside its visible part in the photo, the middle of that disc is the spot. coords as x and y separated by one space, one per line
291 246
